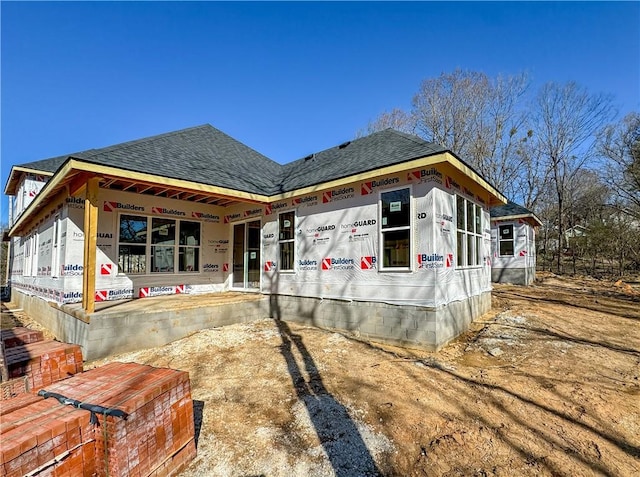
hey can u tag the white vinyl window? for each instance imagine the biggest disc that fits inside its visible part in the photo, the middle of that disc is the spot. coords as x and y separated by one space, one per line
26 250
55 252
35 250
286 240
172 244
506 240
468 233
395 229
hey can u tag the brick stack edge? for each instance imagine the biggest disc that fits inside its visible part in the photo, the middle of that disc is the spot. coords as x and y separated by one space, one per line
19 336
43 362
11 338
156 439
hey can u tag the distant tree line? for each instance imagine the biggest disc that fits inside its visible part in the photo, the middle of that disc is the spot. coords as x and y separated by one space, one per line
560 151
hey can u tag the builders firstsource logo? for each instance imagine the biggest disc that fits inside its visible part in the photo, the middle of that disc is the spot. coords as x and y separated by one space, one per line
205 216
113 206
307 264
435 260
368 263
274 208
165 211
425 175
368 187
307 200
338 194
231 217
339 263
71 269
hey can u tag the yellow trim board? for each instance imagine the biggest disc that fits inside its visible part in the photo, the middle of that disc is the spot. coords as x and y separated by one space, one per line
161 180
508 218
75 165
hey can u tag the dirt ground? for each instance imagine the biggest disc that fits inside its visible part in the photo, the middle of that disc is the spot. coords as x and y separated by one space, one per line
547 383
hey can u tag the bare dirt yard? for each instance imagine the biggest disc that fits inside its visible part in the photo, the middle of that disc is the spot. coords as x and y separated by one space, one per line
548 383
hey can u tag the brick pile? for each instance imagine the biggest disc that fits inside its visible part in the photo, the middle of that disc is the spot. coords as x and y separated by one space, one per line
43 362
44 438
155 439
10 338
18 336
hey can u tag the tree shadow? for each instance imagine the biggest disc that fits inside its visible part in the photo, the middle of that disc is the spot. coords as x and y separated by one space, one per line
337 432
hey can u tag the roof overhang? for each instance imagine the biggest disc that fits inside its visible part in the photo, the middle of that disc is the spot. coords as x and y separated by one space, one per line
496 198
14 178
74 173
531 218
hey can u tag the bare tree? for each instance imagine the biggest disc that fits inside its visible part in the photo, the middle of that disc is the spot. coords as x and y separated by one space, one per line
396 119
619 145
566 119
532 181
477 117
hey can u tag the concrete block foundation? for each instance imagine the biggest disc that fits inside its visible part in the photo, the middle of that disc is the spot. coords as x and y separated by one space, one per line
516 276
130 326
402 325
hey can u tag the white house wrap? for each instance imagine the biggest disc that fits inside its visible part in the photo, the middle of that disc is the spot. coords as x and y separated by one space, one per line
513 244
383 228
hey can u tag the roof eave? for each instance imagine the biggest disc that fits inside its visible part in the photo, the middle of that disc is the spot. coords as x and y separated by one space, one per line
531 217
74 166
426 160
14 177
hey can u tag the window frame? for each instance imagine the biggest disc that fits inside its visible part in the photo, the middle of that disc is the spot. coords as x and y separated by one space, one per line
291 241
512 240
150 246
401 228
466 237
55 247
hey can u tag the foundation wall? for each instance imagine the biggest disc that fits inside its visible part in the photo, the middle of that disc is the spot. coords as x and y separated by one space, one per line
517 276
403 325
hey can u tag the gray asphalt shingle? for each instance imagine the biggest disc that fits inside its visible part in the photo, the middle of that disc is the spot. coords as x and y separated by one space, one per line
509 209
206 155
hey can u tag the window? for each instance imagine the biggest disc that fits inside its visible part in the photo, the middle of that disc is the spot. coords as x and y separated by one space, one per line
26 249
55 240
286 224
170 240
189 250
163 240
505 239
132 248
468 233
395 229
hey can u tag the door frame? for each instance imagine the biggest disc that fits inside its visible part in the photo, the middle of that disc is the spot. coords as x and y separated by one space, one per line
245 273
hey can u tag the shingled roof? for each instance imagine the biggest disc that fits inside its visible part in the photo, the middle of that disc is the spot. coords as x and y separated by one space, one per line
365 154
511 209
201 154
206 155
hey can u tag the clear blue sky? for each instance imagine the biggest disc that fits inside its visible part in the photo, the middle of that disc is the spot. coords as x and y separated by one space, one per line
287 79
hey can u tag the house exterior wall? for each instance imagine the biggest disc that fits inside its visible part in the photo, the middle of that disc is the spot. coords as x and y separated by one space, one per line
520 267
60 264
28 188
338 244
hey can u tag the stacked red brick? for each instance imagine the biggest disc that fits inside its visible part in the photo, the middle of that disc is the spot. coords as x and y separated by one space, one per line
156 439
19 336
10 338
43 362
45 438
